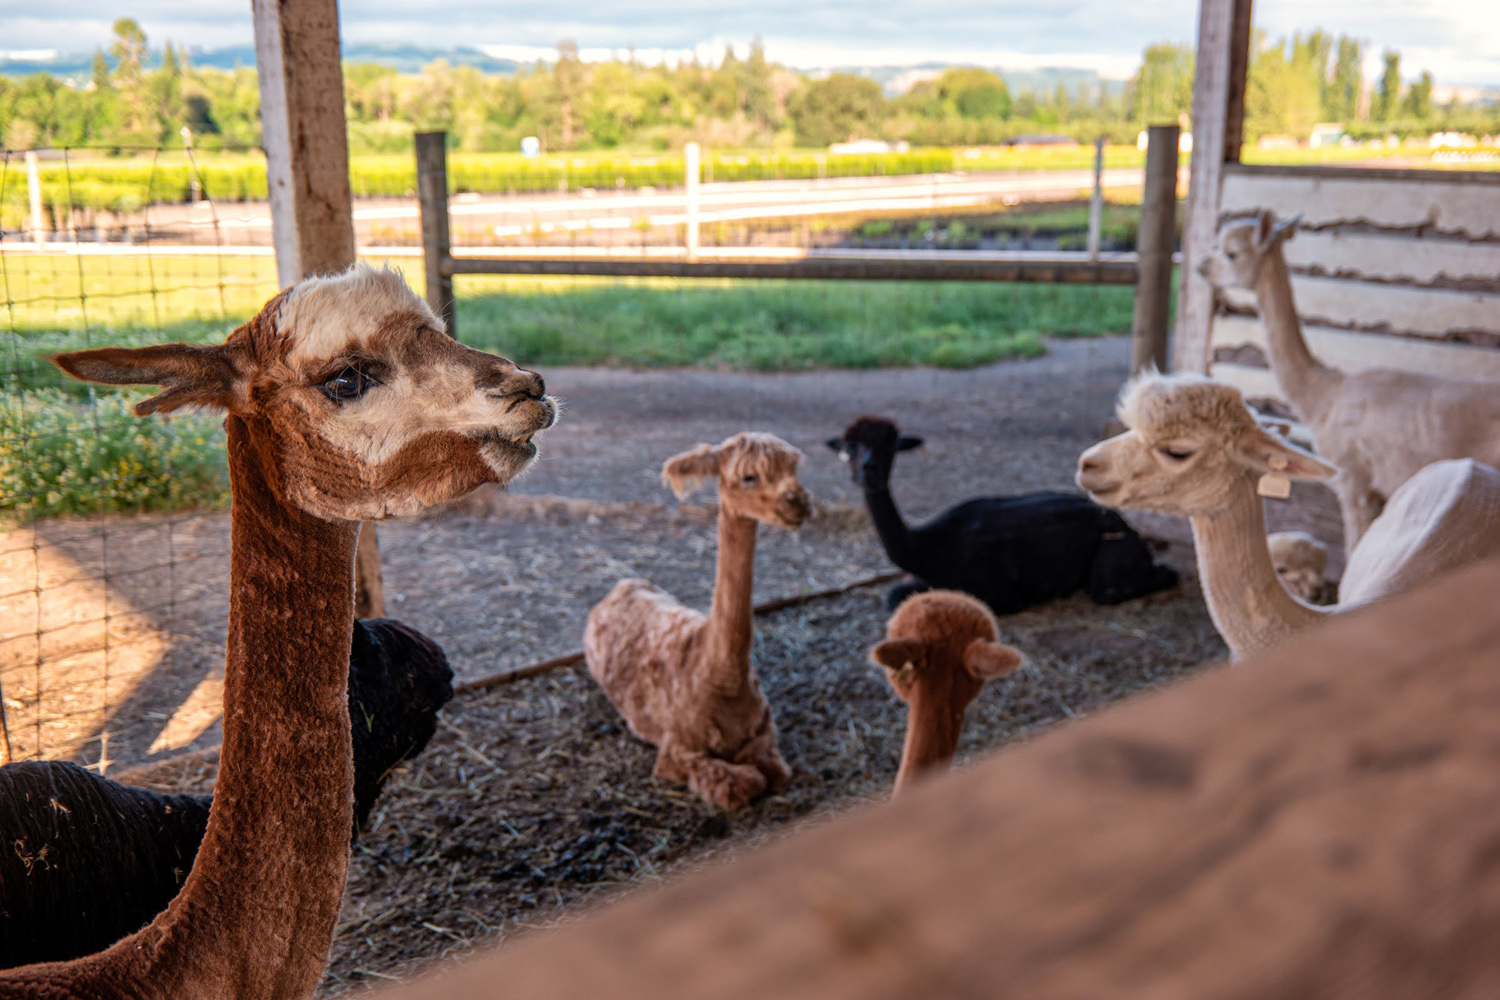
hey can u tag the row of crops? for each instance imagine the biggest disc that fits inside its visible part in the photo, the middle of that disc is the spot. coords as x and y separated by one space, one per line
91 181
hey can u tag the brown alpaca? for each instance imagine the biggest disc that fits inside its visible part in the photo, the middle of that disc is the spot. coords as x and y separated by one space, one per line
345 402
683 681
939 650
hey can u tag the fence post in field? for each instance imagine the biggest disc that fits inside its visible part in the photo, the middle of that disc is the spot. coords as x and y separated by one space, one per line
34 193
692 170
297 59
432 199
1096 203
1154 244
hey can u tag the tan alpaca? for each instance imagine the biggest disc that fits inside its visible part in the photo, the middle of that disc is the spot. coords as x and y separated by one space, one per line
344 400
1378 426
683 681
1194 449
939 650
1300 560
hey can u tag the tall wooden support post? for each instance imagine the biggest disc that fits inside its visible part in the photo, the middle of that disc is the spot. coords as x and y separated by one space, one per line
692 170
297 56
1096 203
1218 124
432 200
1154 244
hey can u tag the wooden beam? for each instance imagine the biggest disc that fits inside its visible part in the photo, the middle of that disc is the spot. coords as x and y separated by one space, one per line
1317 821
297 57
432 202
1156 242
1064 268
1218 125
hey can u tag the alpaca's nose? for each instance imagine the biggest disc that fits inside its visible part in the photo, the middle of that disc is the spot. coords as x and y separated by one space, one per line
1090 462
512 381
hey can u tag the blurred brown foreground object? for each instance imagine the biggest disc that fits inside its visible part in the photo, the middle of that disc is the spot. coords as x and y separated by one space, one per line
1323 820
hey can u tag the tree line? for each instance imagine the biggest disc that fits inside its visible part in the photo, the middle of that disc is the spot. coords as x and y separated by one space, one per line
742 102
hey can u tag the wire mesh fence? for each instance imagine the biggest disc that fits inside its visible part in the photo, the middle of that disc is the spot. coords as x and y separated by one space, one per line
103 539
113 547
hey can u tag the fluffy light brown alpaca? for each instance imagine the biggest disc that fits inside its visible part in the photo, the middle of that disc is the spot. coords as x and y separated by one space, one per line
345 401
1300 560
1194 449
1378 426
683 681
939 650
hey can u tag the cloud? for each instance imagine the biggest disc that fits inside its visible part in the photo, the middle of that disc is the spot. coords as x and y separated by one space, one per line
1459 40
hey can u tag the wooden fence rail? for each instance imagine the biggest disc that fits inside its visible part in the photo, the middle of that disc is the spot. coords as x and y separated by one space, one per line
1089 268
1321 821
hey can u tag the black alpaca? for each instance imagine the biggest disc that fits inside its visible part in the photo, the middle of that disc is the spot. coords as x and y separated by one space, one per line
1010 552
87 860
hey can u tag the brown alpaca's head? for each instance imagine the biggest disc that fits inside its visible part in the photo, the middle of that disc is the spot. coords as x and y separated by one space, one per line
1243 244
1192 443
869 446
756 475
939 650
941 645
360 406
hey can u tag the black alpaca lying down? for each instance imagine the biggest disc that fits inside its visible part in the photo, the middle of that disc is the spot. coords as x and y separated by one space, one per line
1010 552
87 860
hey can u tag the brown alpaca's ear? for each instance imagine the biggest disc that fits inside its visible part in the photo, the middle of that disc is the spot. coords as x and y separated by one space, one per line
1263 450
686 472
985 659
191 374
900 656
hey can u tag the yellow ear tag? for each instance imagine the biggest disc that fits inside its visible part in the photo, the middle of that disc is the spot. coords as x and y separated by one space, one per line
1273 484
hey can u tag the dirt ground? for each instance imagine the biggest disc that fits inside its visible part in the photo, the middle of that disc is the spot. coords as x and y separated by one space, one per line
533 800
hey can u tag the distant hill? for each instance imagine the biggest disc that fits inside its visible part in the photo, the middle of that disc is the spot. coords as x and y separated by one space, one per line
402 58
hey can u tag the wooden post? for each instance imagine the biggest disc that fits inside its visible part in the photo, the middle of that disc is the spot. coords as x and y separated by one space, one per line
34 195
432 200
1154 244
1218 125
1096 203
297 57
692 168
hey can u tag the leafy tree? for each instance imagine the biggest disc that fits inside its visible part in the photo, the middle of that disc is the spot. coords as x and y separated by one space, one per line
1418 103
1342 99
1387 98
836 108
1164 85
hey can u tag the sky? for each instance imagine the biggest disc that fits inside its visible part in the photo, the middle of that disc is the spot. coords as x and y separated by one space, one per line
1459 40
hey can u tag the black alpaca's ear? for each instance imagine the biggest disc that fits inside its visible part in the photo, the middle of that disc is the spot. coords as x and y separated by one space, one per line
837 444
190 374
905 443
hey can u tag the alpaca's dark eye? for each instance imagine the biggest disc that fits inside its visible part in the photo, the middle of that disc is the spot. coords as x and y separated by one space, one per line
1176 454
348 384
748 480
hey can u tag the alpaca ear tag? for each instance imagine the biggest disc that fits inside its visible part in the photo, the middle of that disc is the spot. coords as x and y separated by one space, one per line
1275 484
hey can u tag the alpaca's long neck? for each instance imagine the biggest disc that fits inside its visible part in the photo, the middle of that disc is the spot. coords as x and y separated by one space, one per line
1246 600
895 536
730 627
1305 380
933 727
256 915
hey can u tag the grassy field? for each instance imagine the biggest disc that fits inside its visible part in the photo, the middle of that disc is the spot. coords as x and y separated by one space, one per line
69 448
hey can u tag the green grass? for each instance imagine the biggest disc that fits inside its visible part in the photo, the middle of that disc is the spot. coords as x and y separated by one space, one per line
67 448
777 326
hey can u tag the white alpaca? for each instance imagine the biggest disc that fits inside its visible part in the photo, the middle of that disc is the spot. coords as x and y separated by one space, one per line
1194 449
1300 560
1378 426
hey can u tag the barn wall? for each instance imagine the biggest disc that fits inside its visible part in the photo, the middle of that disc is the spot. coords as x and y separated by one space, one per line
1390 269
